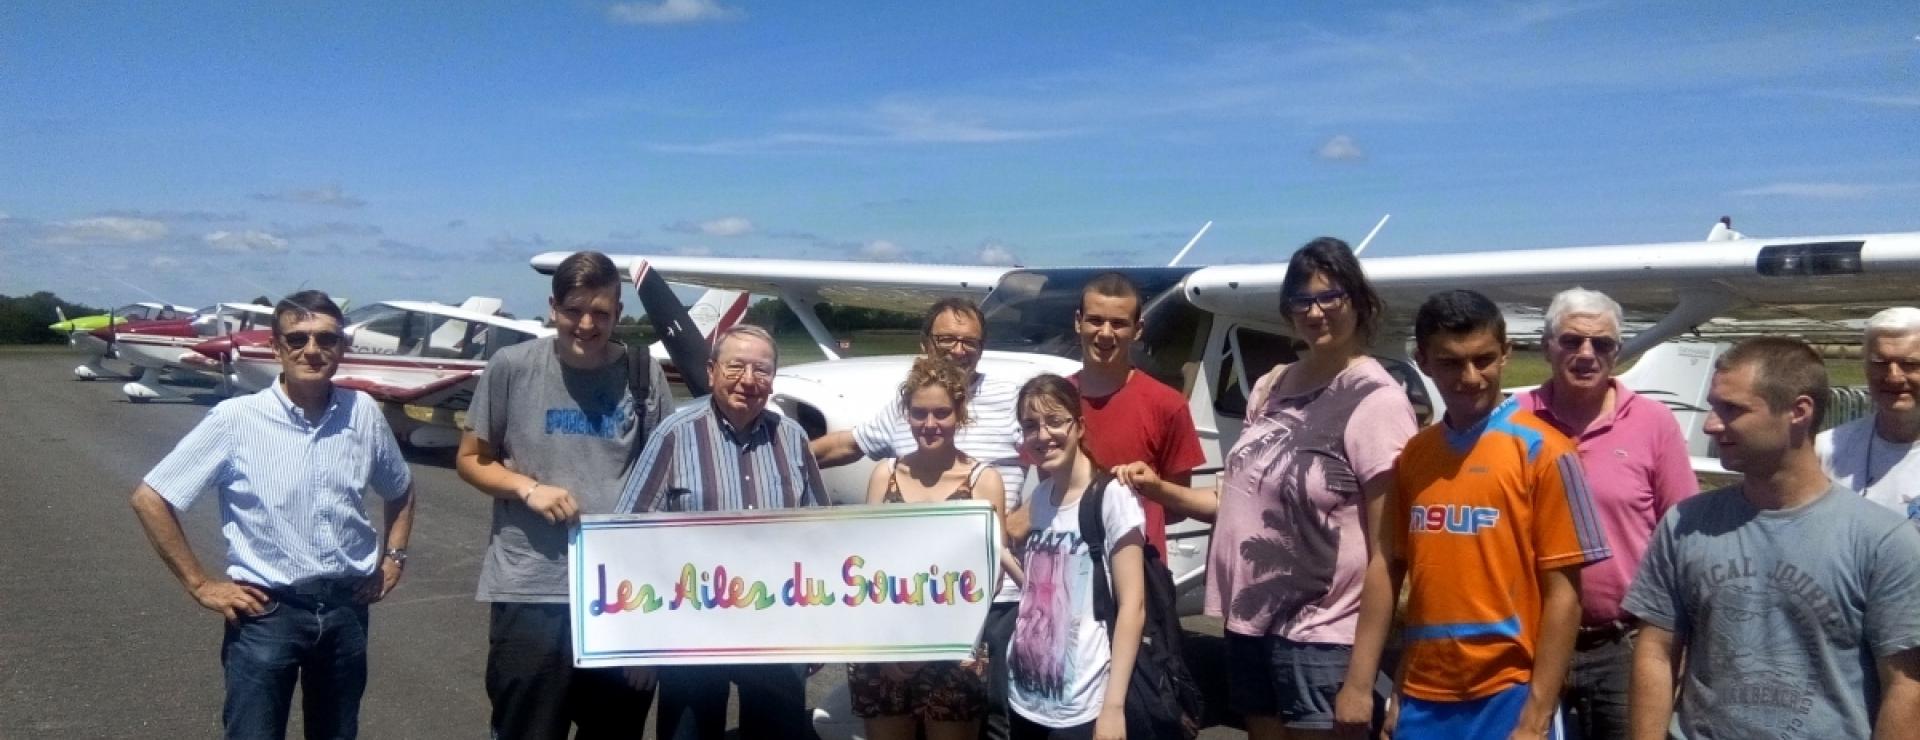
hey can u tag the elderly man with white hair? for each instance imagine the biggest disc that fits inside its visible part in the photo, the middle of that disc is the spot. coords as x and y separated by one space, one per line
1637 466
1875 455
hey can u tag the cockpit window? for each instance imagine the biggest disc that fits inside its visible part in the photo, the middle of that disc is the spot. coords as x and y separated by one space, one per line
1032 310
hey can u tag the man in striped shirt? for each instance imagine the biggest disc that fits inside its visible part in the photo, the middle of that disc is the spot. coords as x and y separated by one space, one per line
292 465
726 454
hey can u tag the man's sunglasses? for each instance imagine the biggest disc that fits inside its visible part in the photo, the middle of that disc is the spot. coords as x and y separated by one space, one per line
298 339
1601 345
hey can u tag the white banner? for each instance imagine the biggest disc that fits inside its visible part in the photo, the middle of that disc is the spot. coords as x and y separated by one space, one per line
895 582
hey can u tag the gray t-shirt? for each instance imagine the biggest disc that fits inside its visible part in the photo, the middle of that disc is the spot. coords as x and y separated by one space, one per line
1782 613
575 429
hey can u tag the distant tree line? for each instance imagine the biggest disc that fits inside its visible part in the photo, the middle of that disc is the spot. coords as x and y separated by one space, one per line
24 320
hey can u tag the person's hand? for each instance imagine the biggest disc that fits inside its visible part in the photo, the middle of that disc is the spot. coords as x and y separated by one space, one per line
1138 476
1112 724
1534 724
1393 718
1353 710
552 503
232 600
639 678
380 582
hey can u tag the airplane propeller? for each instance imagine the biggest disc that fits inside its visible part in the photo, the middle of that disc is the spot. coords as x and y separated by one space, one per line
675 328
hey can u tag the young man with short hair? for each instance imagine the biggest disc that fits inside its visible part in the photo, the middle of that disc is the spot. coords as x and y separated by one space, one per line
554 428
1130 416
1488 525
293 465
1785 605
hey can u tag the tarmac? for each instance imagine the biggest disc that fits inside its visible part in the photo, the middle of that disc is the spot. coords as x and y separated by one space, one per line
98 640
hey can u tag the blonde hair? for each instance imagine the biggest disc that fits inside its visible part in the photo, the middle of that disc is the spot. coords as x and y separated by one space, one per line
937 372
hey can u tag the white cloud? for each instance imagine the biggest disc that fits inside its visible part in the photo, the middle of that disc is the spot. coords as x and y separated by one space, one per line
672 12
728 226
1340 148
105 230
882 250
1814 190
330 195
887 122
995 253
245 241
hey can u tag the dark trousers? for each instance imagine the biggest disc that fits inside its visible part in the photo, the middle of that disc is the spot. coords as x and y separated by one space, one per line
693 702
997 633
1596 697
320 644
536 691
1026 729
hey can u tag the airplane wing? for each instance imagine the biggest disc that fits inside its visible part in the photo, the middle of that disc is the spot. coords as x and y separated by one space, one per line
429 394
1677 286
883 285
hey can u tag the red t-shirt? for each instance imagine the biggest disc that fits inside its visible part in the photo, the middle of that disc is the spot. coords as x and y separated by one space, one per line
1144 421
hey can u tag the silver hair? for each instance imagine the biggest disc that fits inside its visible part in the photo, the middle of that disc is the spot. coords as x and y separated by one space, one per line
1898 321
1582 302
749 331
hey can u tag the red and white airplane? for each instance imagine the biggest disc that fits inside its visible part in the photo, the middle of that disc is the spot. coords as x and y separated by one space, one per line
155 347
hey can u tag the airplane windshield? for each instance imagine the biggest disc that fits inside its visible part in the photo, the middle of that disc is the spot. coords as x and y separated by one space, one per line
381 329
1032 310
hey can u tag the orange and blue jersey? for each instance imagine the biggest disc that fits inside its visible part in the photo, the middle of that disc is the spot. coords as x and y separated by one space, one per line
1477 515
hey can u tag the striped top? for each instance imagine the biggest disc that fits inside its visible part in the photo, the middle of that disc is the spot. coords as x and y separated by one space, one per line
1477 515
697 461
291 489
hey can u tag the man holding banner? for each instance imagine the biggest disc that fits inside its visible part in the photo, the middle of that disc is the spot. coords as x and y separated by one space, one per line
729 454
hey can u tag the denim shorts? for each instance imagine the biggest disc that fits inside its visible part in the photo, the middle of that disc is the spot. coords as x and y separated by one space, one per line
1271 676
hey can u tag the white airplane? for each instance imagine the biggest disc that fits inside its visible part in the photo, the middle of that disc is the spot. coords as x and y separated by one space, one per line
155 347
82 331
1209 332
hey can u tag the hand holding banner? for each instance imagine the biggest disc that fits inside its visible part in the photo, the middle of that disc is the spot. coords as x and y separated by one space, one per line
847 583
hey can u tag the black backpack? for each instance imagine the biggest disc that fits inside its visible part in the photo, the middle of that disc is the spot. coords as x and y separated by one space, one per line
1162 693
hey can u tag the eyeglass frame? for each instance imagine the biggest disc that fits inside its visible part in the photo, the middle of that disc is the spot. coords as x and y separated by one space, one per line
327 341
1301 304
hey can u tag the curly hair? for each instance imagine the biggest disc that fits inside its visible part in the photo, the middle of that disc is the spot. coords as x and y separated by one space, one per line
937 371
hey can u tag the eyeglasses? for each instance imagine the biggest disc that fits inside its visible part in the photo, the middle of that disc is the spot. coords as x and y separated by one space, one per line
737 370
1052 424
949 341
298 339
1601 345
1327 300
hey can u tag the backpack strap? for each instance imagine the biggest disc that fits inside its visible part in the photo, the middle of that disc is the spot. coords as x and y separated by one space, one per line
640 385
1093 531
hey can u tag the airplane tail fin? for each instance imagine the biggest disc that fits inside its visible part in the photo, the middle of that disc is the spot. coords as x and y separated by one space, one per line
1678 374
717 311
58 311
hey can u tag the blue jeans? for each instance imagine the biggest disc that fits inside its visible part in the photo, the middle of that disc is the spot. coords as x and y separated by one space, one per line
321 644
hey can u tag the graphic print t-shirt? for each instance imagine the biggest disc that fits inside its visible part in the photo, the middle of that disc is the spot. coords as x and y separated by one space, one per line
1060 657
574 429
1783 612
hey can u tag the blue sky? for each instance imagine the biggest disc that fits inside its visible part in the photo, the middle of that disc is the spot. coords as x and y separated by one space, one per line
216 151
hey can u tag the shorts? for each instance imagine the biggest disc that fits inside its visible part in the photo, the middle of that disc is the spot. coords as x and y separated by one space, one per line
947 691
1271 676
1491 716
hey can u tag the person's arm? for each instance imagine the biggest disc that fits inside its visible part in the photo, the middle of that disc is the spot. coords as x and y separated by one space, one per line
1130 619
992 489
877 483
835 449
1379 596
1656 662
1178 499
397 529
481 468
162 525
1553 654
1899 696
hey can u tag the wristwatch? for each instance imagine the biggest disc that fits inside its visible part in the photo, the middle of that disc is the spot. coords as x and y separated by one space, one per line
398 555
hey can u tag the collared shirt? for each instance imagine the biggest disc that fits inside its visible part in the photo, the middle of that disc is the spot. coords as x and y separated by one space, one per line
291 489
1637 468
697 461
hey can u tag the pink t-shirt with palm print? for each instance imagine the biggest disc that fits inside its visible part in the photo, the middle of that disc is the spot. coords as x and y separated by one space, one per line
1289 544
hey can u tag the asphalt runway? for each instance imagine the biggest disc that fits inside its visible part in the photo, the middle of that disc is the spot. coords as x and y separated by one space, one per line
97 640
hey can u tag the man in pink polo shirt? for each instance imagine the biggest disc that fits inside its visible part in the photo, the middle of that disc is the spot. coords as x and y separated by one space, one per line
1637 467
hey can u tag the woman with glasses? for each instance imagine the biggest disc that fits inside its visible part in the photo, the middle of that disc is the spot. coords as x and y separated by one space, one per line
951 697
1068 680
1295 505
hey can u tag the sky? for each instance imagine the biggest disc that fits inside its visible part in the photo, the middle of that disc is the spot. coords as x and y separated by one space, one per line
199 152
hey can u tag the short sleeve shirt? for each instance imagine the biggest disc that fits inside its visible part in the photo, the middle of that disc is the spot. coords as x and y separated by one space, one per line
1782 612
1289 546
1886 473
1144 421
1477 515
698 461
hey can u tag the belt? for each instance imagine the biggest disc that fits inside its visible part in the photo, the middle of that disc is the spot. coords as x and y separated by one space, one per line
316 593
1592 636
